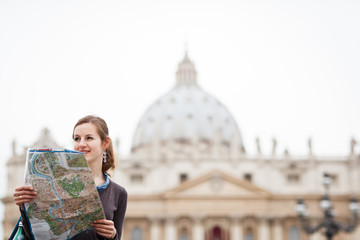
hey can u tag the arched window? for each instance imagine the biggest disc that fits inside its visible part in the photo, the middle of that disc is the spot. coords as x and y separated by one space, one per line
184 234
137 234
249 235
294 233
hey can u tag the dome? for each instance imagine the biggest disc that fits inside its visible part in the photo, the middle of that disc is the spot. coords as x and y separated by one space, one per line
187 115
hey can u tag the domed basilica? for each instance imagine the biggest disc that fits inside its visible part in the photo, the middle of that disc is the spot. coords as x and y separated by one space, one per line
189 177
187 122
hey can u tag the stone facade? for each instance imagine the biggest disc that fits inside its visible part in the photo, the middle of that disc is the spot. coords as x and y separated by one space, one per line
219 199
189 182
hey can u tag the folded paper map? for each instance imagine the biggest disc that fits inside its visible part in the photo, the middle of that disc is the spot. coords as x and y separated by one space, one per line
67 201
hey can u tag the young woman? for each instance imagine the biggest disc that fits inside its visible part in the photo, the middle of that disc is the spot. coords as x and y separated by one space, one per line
91 136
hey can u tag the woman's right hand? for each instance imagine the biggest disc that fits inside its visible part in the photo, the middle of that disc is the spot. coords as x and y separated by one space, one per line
24 194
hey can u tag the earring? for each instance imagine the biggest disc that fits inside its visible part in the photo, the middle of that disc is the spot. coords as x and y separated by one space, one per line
104 156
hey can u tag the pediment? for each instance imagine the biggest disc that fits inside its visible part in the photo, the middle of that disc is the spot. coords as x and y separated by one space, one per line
217 184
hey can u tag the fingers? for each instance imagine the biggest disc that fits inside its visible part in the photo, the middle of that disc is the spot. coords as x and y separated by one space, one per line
104 222
24 190
104 228
24 194
26 187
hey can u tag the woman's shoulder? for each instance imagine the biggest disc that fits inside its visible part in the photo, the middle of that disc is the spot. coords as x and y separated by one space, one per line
117 188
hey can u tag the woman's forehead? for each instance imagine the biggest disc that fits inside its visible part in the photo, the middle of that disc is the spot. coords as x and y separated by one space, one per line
85 128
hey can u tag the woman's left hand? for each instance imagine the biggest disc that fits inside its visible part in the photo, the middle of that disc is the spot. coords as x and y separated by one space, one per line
104 228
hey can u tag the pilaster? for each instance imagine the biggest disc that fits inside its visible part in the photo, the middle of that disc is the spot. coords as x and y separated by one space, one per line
236 229
277 233
198 231
170 228
155 228
264 229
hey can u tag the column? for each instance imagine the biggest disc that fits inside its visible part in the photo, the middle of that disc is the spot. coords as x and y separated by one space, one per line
277 231
263 229
155 230
170 228
236 230
198 232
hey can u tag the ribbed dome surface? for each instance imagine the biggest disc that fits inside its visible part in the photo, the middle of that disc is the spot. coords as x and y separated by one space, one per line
187 114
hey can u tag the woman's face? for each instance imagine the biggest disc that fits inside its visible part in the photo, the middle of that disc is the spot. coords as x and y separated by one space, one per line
88 141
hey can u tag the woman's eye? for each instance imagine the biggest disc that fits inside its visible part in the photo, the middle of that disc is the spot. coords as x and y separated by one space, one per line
89 138
76 139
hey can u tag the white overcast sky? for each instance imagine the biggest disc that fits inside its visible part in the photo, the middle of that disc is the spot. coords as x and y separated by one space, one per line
284 69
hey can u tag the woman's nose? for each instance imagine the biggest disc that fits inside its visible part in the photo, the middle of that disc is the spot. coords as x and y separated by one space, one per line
82 142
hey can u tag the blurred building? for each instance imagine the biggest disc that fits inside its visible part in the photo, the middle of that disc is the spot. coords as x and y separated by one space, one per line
189 176
15 178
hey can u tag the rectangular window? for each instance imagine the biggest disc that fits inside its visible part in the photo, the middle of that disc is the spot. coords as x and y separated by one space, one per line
293 178
248 177
136 178
183 177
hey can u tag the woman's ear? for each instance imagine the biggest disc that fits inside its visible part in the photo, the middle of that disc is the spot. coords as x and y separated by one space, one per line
106 143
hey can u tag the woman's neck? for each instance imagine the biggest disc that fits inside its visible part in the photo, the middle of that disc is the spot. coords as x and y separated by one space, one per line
99 179
98 175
